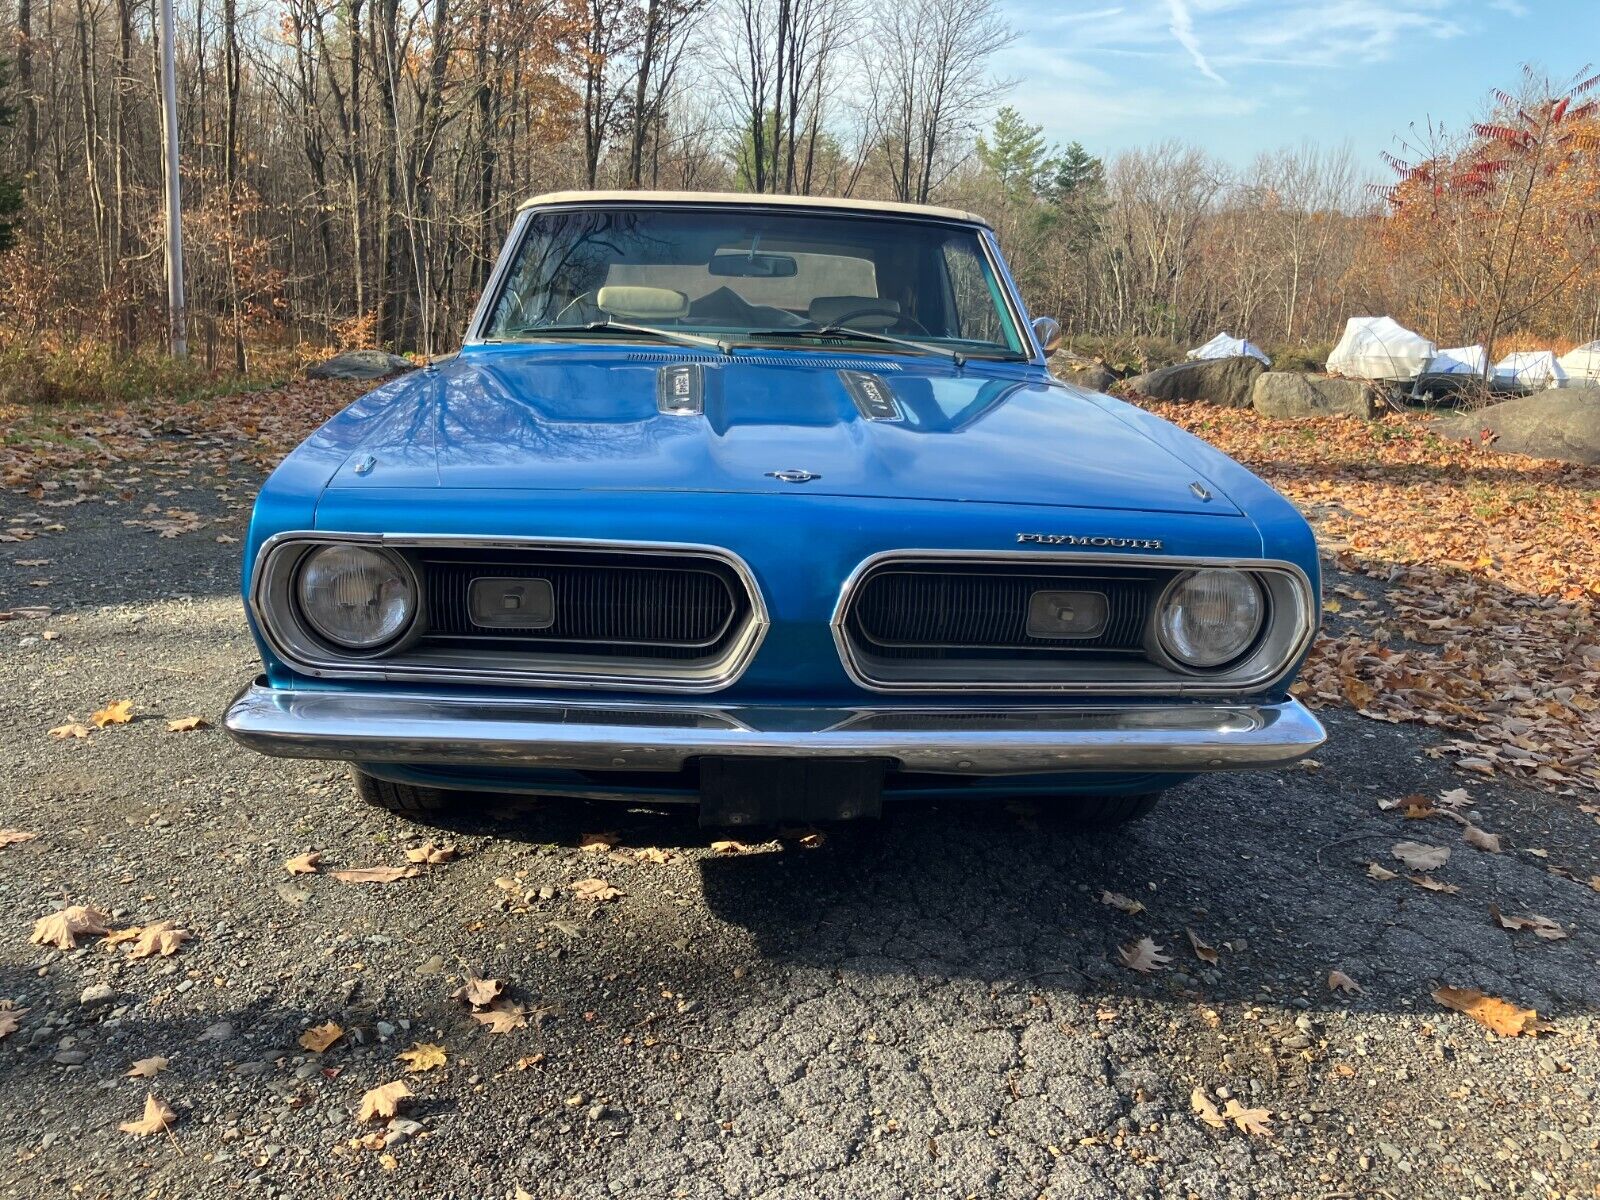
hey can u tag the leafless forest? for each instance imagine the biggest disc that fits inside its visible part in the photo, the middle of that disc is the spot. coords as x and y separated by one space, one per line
350 167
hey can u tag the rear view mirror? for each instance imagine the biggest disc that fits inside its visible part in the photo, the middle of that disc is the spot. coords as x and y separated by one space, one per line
740 265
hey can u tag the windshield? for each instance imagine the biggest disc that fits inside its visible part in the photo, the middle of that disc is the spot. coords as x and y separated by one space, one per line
752 276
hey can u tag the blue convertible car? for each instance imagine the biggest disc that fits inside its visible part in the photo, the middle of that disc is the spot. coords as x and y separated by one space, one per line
768 503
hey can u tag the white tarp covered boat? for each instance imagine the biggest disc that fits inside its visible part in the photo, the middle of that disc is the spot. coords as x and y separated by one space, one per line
1380 348
1581 365
1458 360
1225 345
1530 369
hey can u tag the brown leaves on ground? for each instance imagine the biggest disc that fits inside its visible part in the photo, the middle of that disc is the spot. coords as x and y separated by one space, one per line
147 1068
61 929
598 843
1489 627
1202 951
1338 981
1499 1016
1479 840
319 1037
1540 927
654 854
477 991
502 1017
70 730
1254 1121
13 837
186 724
157 1118
432 854
596 891
375 874
729 846
1143 956
1121 903
423 1056
308 863
162 937
10 1017
381 1103
118 712
1420 856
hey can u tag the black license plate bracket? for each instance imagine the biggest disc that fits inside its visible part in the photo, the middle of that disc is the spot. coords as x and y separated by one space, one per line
764 790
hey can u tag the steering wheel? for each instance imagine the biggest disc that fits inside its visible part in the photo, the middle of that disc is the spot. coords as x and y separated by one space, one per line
899 318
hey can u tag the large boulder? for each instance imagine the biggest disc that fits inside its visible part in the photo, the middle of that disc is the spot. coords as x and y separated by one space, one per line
1093 378
360 364
1291 394
1222 381
1564 424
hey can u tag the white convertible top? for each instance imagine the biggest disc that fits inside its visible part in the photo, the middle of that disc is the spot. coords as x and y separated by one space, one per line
741 199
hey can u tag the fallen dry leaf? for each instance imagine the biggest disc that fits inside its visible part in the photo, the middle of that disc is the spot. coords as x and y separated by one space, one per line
61 929
1374 871
1143 956
147 1068
502 1017
598 843
729 846
653 854
1205 953
375 874
319 1037
381 1102
304 864
1480 840
1419 856
161 938
805 836
157 1118
1255 1121
1338 981
423 1056
118 712
1205 1109
1120 902
480 993
70 730
530 1060
430 853
596 891
186 724
1541 927
1500 1016
11 837
1433 885
10 1018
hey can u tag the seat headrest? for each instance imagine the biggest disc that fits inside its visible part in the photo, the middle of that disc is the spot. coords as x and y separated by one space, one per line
825 310
644 303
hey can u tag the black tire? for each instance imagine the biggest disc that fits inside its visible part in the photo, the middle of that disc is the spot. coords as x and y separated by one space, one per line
401 798
1091 813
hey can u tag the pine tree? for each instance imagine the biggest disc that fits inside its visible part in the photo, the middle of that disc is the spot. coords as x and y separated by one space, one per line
1014 153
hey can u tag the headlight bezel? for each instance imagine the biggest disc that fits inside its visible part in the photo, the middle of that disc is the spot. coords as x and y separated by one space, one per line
1160 642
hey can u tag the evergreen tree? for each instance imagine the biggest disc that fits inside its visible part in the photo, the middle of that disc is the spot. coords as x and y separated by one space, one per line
1072 174
1014 153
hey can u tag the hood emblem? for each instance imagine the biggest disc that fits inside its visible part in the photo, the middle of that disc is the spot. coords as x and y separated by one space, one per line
793 475
1094 541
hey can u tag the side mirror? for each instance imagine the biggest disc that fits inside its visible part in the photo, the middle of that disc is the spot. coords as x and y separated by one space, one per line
1048 331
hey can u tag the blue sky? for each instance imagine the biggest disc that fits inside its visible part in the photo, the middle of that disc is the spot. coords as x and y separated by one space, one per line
1241 76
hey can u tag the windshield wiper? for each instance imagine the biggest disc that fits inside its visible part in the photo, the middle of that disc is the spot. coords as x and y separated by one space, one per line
669 335
841 331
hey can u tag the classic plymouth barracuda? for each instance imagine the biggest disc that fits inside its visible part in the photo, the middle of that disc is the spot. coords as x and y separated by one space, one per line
770 504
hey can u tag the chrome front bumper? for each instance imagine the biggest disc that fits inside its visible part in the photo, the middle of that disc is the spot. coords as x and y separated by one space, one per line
412 727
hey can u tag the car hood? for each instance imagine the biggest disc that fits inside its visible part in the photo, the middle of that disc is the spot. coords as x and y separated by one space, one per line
559 419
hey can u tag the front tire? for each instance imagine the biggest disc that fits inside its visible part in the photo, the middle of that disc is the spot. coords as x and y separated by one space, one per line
1097 813
402 799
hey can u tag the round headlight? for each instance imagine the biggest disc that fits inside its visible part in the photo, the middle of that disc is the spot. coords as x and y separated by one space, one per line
356 597
1210 617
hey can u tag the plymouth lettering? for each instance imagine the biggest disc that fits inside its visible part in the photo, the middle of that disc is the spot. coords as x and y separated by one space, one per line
1093 540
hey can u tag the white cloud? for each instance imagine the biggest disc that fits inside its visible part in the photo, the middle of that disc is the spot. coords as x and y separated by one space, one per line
1182 28
1515 7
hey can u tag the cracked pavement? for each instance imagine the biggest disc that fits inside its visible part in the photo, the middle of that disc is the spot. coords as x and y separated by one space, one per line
927 1006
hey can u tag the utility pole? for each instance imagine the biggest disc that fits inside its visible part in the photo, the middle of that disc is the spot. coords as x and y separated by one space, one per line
169 129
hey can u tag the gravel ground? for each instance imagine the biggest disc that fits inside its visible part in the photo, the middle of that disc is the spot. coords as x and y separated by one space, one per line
931 1005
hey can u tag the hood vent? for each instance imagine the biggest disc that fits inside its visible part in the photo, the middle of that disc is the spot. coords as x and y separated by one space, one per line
680 390
873 398
744 358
